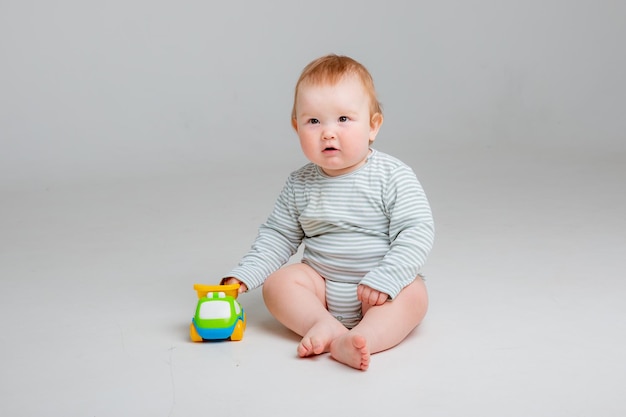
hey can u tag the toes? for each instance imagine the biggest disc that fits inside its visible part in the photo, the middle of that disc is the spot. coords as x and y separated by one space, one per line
359 343
304 348
352 351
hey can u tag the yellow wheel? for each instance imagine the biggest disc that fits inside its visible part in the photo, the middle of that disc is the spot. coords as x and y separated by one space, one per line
238 332
194 333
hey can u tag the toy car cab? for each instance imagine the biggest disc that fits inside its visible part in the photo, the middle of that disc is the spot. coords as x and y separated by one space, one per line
218 315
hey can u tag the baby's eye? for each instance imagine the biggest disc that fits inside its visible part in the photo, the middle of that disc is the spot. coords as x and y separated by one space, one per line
314 121
343 118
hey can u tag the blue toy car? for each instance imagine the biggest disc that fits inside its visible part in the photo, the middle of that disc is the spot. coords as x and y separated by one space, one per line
219 315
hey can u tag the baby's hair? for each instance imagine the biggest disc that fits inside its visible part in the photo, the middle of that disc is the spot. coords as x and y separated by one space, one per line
330 69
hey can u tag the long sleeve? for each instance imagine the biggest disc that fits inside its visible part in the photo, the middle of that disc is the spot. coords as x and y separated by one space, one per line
411 234
277 240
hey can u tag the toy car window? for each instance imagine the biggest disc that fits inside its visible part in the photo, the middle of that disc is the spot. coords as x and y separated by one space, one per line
237 308
215 310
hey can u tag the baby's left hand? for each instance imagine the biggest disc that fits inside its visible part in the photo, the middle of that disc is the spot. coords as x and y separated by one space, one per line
370 296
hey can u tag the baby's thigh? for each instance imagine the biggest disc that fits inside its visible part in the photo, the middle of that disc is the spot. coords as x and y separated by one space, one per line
296 277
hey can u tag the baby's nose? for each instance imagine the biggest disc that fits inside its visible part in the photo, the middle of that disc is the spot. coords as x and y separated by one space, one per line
328 134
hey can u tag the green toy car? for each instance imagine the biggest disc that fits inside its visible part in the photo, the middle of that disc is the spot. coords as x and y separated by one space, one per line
219 315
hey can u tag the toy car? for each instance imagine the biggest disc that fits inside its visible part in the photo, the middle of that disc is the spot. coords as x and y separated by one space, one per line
218 315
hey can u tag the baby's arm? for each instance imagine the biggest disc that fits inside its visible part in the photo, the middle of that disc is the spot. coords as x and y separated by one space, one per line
277 240
411 233
370 296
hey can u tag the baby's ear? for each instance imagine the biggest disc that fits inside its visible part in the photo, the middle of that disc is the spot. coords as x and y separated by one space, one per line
294 124
376 122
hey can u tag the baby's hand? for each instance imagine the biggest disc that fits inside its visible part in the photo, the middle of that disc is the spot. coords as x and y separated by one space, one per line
232 280
370 296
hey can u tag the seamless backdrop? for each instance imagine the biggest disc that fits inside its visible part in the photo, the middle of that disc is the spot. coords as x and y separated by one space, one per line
143 142
122 89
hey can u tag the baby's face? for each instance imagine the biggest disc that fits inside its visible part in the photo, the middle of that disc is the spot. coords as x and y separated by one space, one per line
334 125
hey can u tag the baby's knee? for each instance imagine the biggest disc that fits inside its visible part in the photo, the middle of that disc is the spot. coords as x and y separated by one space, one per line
273 281
293 276
282 277
417 294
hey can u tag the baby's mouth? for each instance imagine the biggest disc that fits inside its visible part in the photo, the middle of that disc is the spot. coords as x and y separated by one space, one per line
330 148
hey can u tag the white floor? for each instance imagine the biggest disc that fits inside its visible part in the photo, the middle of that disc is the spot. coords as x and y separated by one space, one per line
527 285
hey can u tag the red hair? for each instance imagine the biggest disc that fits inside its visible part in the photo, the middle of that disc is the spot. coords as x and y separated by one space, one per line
330 69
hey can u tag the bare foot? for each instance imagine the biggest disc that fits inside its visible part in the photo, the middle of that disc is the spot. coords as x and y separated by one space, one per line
351 349
319 337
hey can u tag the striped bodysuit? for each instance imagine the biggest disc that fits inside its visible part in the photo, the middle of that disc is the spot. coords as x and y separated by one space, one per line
373 226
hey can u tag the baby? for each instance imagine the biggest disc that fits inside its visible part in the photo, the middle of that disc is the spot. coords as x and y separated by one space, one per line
362 216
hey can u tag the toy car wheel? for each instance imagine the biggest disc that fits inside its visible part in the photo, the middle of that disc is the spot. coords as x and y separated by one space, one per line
194 333
238 332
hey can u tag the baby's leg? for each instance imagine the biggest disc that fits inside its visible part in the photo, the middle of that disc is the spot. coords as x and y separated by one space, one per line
295 295
382 327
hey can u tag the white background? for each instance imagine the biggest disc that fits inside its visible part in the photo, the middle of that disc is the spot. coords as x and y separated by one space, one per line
114 90
142 143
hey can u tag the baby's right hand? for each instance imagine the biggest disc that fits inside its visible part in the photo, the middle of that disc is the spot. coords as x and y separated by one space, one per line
232 280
